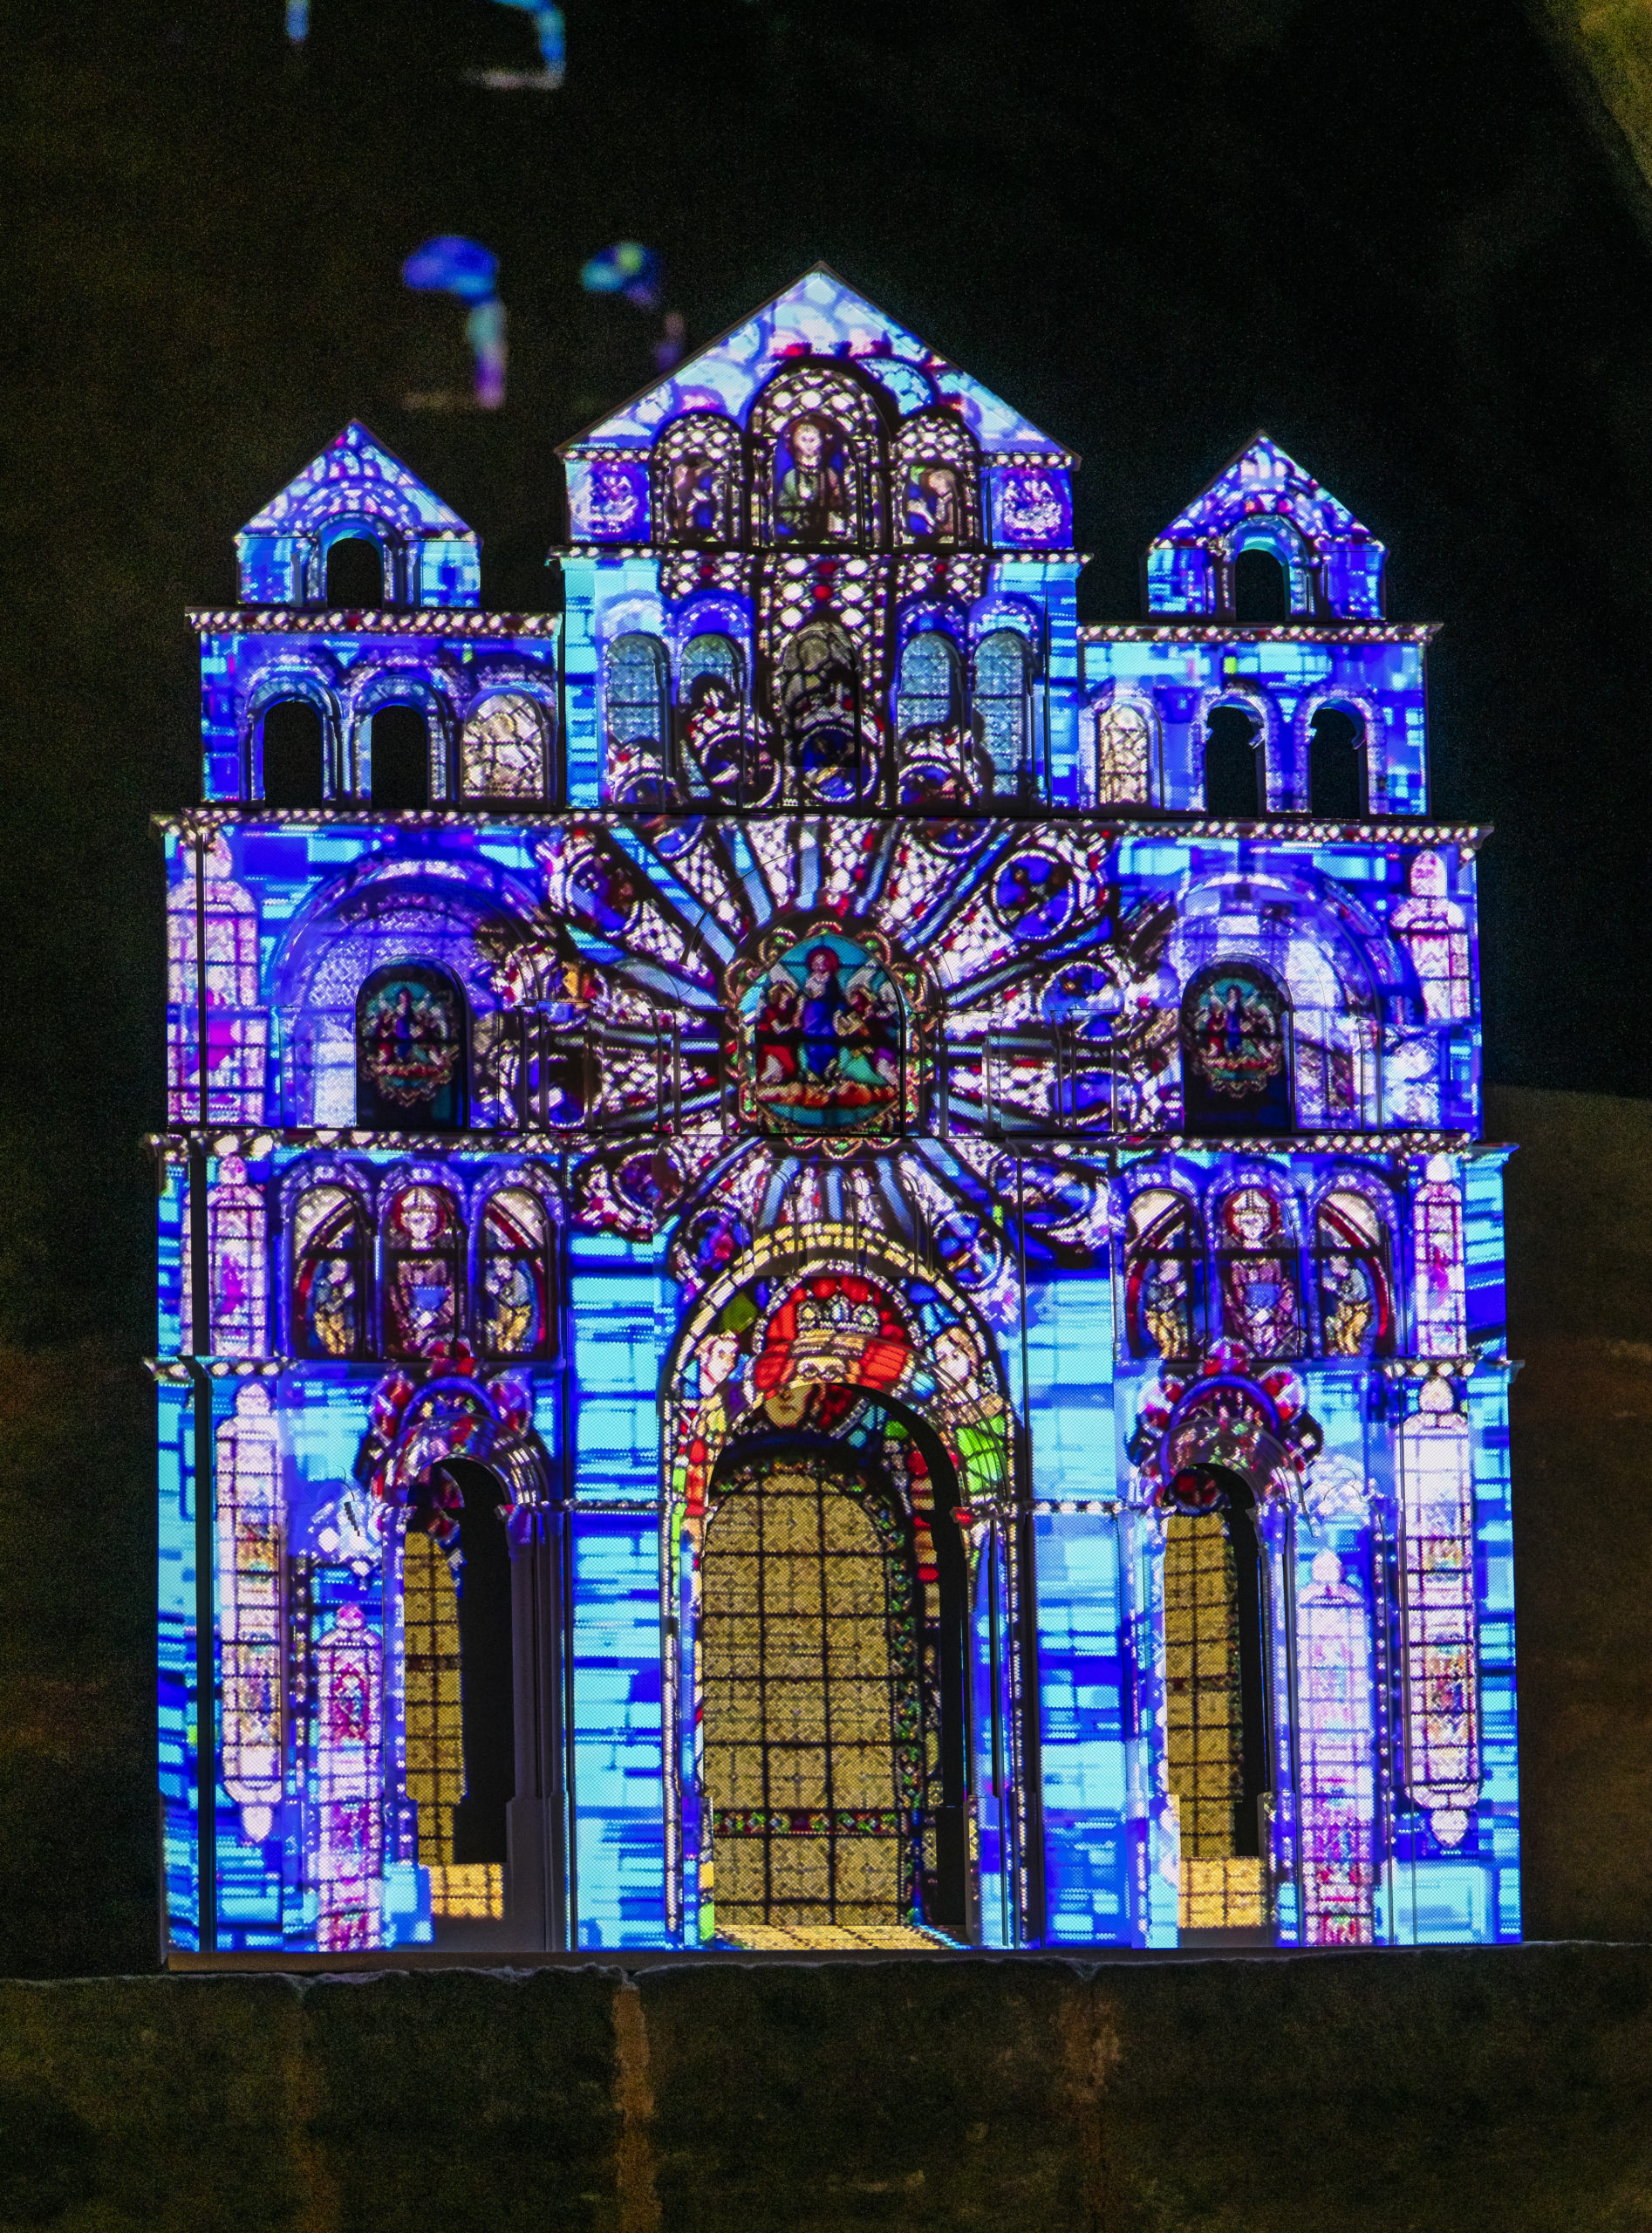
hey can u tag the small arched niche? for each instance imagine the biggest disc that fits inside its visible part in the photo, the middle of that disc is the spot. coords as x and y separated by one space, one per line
1235 786
356 574
293 749
398 758
1336 771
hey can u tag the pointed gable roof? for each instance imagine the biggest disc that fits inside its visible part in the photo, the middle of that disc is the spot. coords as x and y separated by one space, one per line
819 315
1263 478
355 477
1190 565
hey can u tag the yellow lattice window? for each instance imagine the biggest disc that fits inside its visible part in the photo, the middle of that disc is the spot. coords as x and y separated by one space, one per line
800 1692
436 1733
1205 1734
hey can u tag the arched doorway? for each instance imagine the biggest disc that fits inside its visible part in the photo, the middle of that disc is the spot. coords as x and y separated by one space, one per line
864 1360
813 1720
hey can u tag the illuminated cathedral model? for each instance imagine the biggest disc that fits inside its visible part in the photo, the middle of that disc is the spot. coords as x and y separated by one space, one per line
831 1278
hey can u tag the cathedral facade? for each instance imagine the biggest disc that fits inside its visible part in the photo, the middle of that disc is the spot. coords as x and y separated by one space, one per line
828 1274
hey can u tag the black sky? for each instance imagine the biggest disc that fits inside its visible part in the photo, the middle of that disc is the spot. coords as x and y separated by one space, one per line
1384 234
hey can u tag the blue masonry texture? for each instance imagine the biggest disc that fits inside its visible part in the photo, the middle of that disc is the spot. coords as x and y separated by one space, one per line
1131 1172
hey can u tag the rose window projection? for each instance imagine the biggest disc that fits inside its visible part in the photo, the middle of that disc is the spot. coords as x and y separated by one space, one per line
831 1280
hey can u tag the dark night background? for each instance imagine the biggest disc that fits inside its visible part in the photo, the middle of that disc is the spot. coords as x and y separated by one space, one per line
1389 234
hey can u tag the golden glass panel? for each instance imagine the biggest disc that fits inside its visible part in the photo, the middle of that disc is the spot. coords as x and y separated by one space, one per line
797 1697
435 1730
1203 1734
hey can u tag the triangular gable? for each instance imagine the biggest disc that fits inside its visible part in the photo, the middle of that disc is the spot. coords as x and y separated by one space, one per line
1265 478
818 315
355 473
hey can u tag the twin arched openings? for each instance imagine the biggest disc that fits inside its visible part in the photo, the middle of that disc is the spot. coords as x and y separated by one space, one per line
963 727
1237 1273
420 1279
1235 768
503 753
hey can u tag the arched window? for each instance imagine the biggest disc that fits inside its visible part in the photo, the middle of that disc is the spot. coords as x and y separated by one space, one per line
1234 790
1336 766
816 435
1261 1300
398 758
410 1051
927 696
424 1272
294 754
696 480
1124 753
710 703
1351 1257
1003 709
514 1308
634 691
936 483
1161 1274
1214 1698
331 1275
1262 594
355 574
817 693
501 752
1236 1070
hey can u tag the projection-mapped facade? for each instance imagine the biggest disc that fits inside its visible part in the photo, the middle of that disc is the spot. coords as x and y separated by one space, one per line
828 1273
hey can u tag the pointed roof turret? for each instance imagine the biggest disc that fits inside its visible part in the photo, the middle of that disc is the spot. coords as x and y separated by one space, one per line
356 487
1263 500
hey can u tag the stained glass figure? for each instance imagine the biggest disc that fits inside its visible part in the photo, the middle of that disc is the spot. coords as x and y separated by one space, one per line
331 1294
809 1702
1161 1279
410 1046
1235 1053
1261 1309
1356 1311
1435 929
827 1046
424 1272
514 1276
812 480
698 478
502 751
348 1723
818 692
1441 1302
1339 1758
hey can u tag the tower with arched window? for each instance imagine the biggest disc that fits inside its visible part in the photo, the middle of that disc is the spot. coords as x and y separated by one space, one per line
827 1276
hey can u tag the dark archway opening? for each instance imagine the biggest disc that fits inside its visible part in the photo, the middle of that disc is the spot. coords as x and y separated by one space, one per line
400 758
1233 789
294 756
355 574
1336 766
487 1679
1261 595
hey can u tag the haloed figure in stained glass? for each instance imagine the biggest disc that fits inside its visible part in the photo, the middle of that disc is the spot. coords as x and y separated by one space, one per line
934 511
826 1033
1258 1275
811 497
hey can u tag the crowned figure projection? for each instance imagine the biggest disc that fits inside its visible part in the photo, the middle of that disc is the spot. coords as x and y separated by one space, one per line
827 1276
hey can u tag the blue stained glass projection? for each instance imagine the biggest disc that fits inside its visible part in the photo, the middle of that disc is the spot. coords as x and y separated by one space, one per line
822 1162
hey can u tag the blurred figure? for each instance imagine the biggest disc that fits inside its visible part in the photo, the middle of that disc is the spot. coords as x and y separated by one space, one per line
451 265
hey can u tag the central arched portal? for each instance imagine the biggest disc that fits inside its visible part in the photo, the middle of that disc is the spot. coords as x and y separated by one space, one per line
813 1717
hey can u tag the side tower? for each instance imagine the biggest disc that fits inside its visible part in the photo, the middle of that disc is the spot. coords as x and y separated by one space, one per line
826 1272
